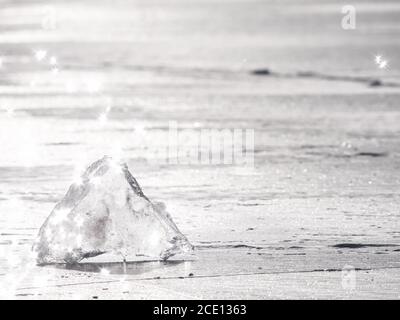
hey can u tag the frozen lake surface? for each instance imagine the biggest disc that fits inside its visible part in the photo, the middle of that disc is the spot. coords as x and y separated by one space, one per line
111 75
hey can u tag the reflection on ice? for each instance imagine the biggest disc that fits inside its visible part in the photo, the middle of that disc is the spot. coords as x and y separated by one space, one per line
131 268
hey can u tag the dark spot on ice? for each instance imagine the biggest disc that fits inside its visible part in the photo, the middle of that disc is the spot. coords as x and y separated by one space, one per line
306 74
376 83
361 245
191 274
261 72
371 154
249 204
95 297
250 229
334 270
62 144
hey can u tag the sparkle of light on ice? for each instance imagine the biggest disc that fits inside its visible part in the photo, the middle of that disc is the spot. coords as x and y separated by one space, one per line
103 118
94 85
380 62
40 54
383 65
53 60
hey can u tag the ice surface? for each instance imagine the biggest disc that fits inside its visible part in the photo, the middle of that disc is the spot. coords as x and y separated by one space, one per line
107 212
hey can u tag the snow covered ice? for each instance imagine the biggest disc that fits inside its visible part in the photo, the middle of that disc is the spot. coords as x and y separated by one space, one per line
107 212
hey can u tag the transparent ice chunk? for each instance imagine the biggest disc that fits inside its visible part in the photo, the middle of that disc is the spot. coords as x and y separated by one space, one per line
107 212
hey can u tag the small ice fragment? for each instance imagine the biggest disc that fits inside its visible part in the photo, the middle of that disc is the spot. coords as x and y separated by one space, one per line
112 216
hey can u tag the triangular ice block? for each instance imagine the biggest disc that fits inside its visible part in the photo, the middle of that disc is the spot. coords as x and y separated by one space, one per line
107 212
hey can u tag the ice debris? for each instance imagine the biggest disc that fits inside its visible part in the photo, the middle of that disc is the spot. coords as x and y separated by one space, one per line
107 212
